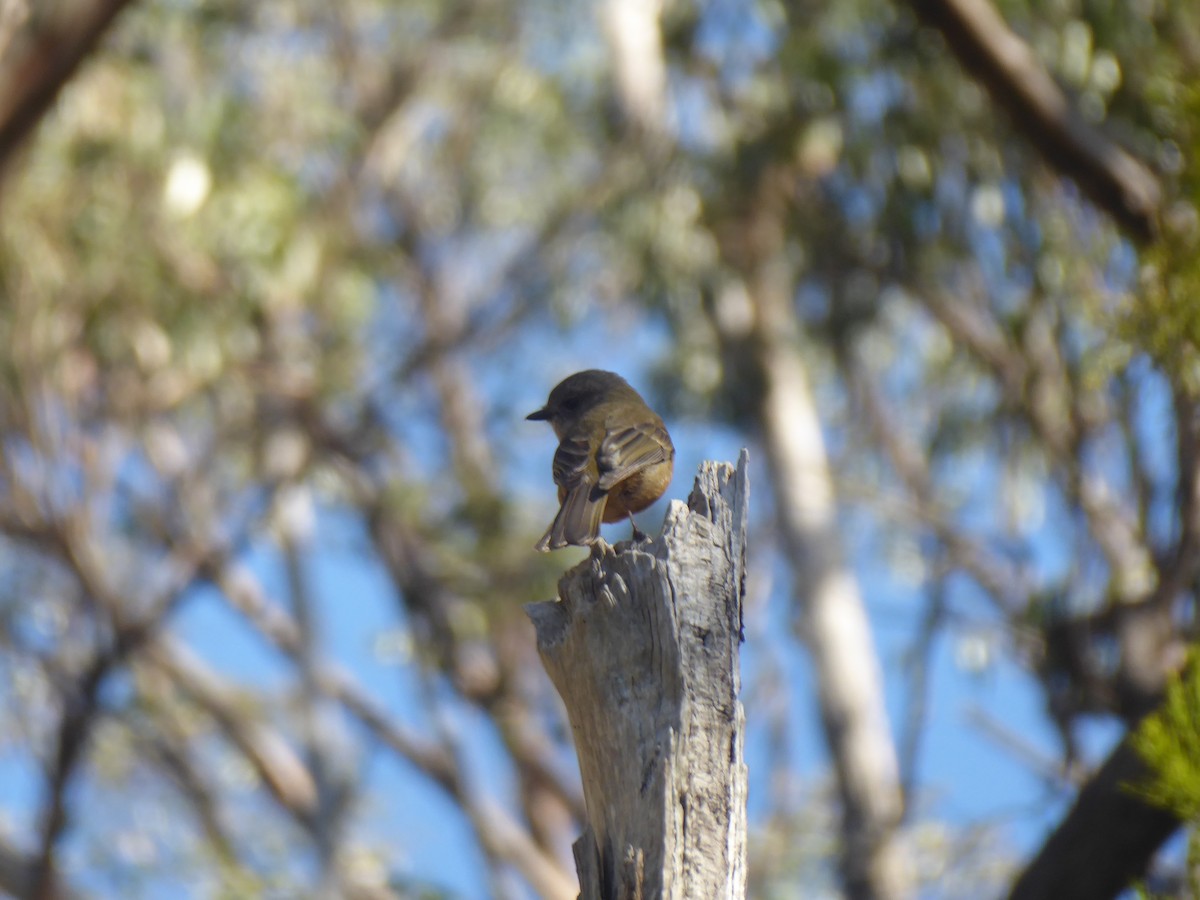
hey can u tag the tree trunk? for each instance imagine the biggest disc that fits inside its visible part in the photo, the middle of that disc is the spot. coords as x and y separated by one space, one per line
643 646
1106 841
757 322
832 616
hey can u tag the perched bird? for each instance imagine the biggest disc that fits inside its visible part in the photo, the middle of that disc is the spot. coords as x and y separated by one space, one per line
614 456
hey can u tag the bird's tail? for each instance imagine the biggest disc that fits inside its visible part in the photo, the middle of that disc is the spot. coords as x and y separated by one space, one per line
578 519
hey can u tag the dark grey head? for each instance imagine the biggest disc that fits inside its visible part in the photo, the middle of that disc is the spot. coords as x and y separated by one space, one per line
577 392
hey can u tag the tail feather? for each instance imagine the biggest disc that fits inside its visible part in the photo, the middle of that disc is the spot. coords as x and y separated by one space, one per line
578 519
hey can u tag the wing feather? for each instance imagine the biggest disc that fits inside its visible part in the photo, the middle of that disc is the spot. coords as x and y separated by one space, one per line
626 450
571 462
582 509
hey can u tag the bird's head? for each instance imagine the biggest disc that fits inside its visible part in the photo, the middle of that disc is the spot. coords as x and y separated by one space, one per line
577 393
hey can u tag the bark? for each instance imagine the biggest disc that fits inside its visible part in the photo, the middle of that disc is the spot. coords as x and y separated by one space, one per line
18 872
34 79
643 646
833 619
634 32
1106 841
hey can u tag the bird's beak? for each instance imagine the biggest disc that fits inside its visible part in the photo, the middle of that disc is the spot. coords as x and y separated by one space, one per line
539 415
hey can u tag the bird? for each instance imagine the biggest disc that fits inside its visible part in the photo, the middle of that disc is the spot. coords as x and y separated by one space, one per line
614 456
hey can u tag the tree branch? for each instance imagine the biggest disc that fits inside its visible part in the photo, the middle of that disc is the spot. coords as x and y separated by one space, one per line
1115 180
35 79
507 838
1106 841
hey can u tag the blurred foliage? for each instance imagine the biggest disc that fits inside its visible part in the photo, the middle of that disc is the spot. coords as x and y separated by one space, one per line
1169 741
284 246
1166 321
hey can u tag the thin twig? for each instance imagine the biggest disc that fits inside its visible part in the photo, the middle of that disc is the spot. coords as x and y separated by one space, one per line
1047 768
512 840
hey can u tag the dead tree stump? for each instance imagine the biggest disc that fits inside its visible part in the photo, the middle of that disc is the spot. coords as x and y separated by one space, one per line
643 647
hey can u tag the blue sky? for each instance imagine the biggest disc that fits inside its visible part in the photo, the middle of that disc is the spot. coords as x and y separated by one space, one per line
966 776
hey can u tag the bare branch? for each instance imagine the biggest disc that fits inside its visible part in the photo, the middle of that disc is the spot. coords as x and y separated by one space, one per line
169 749
514 843
1050 771
79 715
1001 582
277 764
920 661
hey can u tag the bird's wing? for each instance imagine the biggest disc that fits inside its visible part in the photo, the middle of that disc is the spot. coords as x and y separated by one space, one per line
571 463
579 516
626 450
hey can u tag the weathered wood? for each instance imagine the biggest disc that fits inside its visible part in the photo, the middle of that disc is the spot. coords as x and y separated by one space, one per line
643 647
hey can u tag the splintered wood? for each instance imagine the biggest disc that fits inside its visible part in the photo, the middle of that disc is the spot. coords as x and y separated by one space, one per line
643 647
